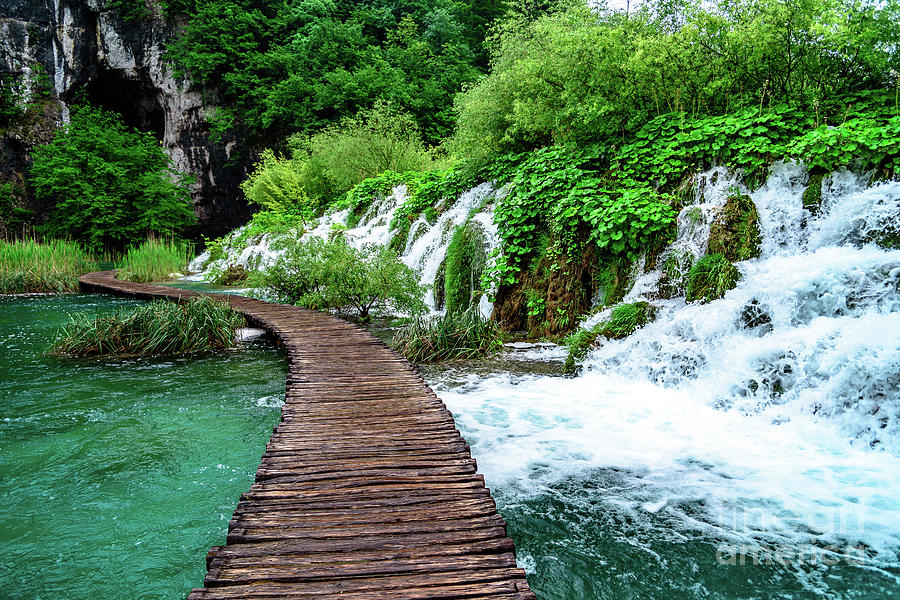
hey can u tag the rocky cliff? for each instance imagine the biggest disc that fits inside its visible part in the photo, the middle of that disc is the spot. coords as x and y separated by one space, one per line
58 50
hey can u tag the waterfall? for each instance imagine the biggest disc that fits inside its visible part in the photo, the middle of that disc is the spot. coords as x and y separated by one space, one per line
770 414
424 249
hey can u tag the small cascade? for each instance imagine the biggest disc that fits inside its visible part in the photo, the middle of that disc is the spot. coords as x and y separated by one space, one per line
424 249
427 245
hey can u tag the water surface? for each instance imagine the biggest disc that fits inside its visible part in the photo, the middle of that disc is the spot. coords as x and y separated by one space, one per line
117 475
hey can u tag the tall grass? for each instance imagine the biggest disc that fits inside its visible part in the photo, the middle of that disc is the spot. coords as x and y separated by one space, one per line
53 266
154 260
158 328
454 335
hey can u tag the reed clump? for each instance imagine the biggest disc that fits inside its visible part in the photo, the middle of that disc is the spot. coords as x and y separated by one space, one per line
154 260
452 336
28 266
160 328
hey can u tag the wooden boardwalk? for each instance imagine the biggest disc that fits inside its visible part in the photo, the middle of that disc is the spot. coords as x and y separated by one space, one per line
366 489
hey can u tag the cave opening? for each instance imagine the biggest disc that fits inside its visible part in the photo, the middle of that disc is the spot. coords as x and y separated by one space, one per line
135 100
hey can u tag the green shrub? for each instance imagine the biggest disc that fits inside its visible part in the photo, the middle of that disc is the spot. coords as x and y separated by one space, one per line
27 266
333 275
341 156
158 328
277 186
110 186
154 260
710 278
452 336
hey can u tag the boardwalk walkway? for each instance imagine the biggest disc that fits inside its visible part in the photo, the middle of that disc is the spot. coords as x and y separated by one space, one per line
366 489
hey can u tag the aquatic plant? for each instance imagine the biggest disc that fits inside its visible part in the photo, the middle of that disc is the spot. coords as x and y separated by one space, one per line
154 260
52 266
710 278
734 233
158 328
464 264
464 334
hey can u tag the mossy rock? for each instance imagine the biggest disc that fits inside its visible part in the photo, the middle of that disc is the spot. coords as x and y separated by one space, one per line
232 275
710 278
439 277
812 195
734 233
464 264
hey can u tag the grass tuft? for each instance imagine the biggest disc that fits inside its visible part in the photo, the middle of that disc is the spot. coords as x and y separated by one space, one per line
160 328
710 278
451 336
155 260
624 320
27 266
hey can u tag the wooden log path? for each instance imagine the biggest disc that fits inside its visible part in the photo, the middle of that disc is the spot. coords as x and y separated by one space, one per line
366 489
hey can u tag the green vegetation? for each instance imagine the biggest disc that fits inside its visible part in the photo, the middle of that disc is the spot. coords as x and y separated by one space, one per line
154 260
333 275
464 264
710 278
452 336
110 186
812 195
160 328
576 75
624 320
27 266
289 67
734 233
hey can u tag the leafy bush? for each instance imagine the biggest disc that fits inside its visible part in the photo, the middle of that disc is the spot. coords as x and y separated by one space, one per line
158 328
333 275
452 336
582 75
54 266
710 278
110 186
277 186
154 260
341 156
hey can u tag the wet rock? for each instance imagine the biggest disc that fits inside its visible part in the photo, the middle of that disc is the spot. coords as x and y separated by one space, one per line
754 315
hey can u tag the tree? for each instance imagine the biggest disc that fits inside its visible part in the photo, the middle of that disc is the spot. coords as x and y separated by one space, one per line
110 186
324 275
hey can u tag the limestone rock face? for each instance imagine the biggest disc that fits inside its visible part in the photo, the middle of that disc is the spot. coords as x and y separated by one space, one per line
57 50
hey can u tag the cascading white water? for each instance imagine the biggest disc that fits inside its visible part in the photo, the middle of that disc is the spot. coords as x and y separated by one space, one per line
424 251
427 245
773 413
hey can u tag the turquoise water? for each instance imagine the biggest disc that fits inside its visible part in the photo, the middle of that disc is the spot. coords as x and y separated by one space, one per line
117 475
